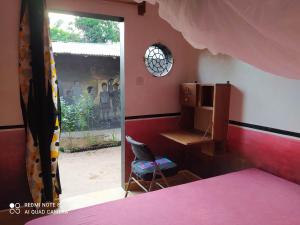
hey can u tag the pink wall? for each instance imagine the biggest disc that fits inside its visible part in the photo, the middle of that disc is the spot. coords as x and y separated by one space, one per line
154 95
140 32
10 113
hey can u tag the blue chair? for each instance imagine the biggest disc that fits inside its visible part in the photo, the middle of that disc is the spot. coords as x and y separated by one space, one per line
148 167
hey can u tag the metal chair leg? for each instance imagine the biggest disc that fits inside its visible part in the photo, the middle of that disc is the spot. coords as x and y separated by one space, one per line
139 184
128 185
163 177
153 179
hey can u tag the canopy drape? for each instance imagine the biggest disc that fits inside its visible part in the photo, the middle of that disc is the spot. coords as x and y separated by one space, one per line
264 33
39 101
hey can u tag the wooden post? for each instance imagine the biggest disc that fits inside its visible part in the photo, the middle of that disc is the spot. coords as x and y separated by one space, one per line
141 8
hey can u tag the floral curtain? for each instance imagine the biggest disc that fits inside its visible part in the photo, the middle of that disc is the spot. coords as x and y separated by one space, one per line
39 101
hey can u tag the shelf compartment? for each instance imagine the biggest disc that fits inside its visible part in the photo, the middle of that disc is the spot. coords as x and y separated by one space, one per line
207 96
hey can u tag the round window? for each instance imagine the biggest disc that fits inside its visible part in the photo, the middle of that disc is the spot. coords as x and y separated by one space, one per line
158 60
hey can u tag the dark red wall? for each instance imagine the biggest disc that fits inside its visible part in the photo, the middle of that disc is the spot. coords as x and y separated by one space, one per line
276 154
147 131
13 180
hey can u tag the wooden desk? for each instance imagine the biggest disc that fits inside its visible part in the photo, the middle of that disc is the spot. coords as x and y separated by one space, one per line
186 137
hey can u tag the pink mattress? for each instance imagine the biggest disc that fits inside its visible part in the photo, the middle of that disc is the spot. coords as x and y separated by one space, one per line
247 197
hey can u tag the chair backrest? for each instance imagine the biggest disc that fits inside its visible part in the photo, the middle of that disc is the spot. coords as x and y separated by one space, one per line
140 150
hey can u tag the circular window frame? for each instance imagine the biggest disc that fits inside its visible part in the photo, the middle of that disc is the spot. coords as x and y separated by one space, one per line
158 60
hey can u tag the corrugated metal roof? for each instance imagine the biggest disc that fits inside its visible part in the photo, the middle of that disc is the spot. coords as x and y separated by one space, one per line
96 49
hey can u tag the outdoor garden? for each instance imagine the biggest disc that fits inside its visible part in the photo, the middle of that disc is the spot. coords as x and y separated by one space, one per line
79 122
83 125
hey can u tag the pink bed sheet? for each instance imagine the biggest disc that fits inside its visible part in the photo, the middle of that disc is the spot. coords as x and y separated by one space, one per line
246 197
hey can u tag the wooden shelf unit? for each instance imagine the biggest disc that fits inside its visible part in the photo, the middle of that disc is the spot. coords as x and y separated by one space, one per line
188 94
204 113
207 107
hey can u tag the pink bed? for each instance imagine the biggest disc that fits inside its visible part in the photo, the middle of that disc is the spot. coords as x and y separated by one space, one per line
247 197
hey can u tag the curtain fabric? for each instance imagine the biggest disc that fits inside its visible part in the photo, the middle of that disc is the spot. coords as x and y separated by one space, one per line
265 33
39 101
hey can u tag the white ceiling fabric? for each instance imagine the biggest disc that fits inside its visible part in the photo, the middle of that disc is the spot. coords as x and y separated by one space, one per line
264 33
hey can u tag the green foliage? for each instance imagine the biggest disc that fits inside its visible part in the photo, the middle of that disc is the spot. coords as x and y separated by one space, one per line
86 30
58 34
76 116
68 116
85 108
98 31
113 136
64 35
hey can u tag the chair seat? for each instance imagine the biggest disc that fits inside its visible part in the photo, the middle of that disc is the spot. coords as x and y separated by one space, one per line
144 169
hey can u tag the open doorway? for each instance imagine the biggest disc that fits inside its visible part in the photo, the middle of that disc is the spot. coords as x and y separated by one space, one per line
87 52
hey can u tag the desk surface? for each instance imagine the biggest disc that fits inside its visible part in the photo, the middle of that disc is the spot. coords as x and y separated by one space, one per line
186 137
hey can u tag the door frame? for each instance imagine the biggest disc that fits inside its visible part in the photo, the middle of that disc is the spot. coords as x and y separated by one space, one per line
121 21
